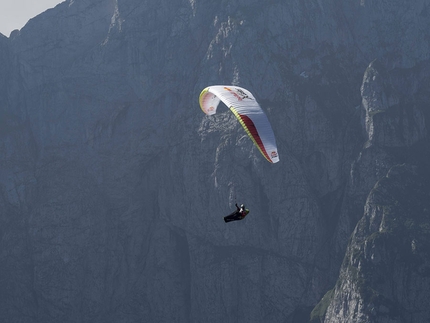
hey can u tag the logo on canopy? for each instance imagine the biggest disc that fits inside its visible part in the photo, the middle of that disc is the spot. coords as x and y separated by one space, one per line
239 94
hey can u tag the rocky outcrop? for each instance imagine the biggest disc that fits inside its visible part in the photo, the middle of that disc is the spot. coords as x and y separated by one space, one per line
113 184
384 277
403 123
395 211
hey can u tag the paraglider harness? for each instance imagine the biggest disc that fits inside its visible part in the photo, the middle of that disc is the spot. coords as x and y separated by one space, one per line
239 214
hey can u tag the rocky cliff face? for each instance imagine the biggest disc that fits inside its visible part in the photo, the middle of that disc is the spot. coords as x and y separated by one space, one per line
384 276
113 183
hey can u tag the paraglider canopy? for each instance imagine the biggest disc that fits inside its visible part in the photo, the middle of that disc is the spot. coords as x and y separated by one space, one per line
249 113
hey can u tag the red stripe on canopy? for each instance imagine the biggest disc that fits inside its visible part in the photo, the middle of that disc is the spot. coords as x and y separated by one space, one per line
253 131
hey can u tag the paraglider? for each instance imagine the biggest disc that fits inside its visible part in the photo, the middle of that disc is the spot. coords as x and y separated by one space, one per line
245 107
239 214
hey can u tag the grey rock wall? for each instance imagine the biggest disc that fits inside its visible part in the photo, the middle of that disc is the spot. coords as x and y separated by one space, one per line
113 184
384 277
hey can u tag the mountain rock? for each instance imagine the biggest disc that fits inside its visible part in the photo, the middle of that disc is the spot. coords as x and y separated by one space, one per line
372 286
113 183
384 277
